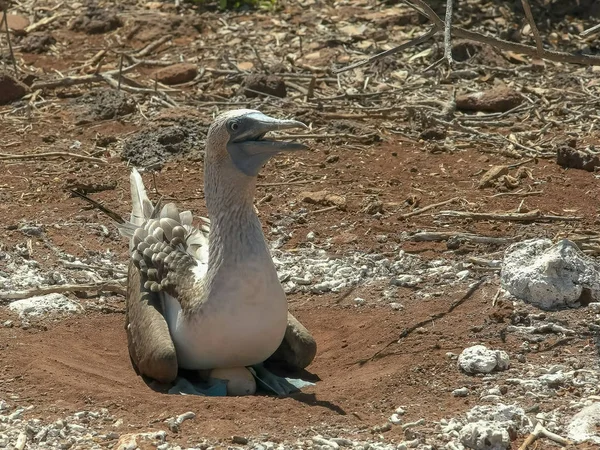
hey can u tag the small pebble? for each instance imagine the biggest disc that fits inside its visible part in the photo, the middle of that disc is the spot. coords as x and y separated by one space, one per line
461 392
240 440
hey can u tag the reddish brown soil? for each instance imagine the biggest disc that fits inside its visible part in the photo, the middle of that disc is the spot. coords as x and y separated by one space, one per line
81 362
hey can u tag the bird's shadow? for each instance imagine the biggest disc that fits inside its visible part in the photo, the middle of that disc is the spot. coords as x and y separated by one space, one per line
278 369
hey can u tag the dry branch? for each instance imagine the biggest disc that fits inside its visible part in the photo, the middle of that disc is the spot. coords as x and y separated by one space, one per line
531 216
534 29
428 207
445 235
105 286
6 156
440 25
540 431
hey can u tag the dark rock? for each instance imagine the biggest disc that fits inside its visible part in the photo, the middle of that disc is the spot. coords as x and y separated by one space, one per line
567 156
105 104
11 89
177 73
435 134
37 43
96 20
499 99
152 147
267 84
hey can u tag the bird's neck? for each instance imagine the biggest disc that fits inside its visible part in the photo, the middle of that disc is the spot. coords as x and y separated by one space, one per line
236 236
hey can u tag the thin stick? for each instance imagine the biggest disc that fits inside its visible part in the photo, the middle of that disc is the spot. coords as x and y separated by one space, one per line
425 37
6 156
10 49
428 207
438 24
448 32
446 235
531 216
152 46
120 73
472 288
534 29
540 431
589 31
105 286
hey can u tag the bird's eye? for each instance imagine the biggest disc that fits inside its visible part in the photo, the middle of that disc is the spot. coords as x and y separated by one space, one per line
234 126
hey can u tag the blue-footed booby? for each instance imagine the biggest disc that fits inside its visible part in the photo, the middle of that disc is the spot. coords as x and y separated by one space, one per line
208 298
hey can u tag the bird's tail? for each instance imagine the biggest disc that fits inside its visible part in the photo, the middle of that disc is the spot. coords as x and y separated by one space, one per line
141 206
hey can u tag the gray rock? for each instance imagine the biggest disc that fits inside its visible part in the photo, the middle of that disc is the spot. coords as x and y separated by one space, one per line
460 392
479 359
44 304
484 435
583 425
550 276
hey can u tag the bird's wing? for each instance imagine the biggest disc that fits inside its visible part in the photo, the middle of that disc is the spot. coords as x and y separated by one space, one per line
162 244
169 252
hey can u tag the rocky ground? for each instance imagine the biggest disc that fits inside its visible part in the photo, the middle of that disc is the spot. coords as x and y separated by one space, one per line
389 235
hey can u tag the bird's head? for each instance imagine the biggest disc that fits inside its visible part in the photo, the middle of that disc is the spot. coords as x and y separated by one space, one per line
239 137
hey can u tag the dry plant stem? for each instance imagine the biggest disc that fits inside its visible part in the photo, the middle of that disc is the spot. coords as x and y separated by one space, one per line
10 49
106 286
448 32
590 31
428 207
379 353
540 431
152 46
6 156
45 21
531 216
438 24
390 52
445 235
534 29
83 79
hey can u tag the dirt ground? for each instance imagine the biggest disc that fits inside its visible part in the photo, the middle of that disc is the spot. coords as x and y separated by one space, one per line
370 151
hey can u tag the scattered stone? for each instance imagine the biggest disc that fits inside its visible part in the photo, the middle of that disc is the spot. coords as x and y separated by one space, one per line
489 177
433 134
239 440
483 435
267 84
11 89
406 280
37 42
461 392
396 306
498 99
323 198
16 23
177 73
550 276
96 20
479 359
585 424
44 304
577 159
310 236
332 159
595 307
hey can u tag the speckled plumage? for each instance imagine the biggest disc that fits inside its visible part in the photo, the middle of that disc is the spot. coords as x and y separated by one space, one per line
208 297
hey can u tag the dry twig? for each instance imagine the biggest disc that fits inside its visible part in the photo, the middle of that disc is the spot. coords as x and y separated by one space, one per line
104 286
6 156
540 431
427 208
531 216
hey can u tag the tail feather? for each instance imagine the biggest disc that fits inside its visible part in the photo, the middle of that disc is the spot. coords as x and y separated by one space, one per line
142 208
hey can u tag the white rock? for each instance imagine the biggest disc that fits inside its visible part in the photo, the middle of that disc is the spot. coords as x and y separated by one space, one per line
44 304
484 435
479 359
549 276
595 307
583 425
461 392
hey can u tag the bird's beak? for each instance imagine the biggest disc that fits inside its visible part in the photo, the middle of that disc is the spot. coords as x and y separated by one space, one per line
250 150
